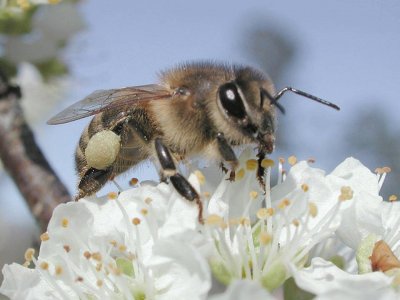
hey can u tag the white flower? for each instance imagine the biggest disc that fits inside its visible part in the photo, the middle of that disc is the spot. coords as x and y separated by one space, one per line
147 243
259 243
116 249
244 290
370 226
329 282
39 95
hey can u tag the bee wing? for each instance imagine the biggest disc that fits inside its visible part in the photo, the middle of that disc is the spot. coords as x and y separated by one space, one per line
102 100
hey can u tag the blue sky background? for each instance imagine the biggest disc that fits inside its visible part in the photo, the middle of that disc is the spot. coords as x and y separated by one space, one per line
344 51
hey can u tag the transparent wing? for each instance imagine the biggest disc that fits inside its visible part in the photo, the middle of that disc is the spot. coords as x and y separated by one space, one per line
102 100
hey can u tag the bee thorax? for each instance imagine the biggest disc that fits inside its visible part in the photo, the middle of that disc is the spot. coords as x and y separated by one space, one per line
102 149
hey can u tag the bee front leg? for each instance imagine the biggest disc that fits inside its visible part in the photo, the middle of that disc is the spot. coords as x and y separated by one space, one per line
261 169
182 186
227 154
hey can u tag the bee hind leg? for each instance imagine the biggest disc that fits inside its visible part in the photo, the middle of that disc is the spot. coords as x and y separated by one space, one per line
92 181
180 183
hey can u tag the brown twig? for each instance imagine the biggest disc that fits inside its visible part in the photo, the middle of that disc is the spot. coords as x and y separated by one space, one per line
23 159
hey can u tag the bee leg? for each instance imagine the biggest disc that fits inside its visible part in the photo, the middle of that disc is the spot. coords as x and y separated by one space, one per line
261 170
182 186
223 168
227 154
92 181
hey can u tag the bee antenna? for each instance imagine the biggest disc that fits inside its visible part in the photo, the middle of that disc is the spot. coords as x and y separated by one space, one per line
301 93
272 99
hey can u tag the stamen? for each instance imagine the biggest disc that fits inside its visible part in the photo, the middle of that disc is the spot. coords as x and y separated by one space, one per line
133 181
67 248
64 222
262 213
292 160
251 164
305 187
44 265
253 194
112 195
58 270
200 177
284 203
346 193
135 221
87 254
239 174
265 238
29 254
44 237
312 209
267 163
392 198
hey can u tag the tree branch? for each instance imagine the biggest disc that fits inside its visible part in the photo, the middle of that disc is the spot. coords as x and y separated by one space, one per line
23 159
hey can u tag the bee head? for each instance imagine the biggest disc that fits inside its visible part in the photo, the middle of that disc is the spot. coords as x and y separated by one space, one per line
244 104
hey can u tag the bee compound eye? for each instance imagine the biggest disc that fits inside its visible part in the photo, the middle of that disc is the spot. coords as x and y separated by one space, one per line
231 100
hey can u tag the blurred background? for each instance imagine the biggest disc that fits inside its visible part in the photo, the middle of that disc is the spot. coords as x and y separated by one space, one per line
343 51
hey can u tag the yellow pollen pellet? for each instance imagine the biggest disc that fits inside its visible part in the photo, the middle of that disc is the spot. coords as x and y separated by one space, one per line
144 211
346 193
262 213
44 265
64 222
270 211
99 283
112 195
214 220
312 209
305 187
44 237
292 160
284 203
296 222
29 253
148 200
200 177
122 248
239 174
267 163
96 256
58 270
67 248
253 195
135 221
251 164
87 254
265 238
392 198
133 181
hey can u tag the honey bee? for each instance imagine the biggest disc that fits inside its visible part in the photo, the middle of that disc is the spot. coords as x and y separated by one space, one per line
197 108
